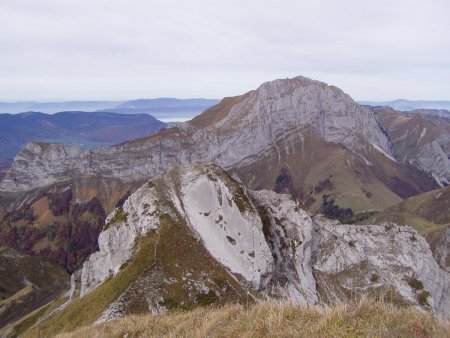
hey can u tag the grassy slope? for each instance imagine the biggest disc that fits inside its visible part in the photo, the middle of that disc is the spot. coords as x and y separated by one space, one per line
425 212
363 319
26 283
86 310
313 161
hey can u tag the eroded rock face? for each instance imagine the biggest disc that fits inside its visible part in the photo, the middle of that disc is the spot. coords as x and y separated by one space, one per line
277 110
116 241
420 139
289 232
46 164
386 260
219 211
432 159
266 241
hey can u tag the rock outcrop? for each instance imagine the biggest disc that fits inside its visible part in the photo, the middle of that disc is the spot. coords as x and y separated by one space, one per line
432 159
390 260
266 241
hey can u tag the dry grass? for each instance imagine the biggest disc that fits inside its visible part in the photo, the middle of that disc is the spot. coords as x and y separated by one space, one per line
217 112
15 297
366 318
427 212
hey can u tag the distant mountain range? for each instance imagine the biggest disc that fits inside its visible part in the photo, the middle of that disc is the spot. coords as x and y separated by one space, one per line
409 105
167 103
165 109
178 110
55 107
88 130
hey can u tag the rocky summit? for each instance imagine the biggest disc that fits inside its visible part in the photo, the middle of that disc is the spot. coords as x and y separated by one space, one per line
302 127
230 134
196 236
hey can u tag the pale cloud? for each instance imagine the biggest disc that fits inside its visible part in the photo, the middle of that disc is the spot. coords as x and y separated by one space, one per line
117 49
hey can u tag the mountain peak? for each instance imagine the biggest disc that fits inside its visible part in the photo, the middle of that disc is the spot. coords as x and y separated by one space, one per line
287 122
296 81
284 106
286 86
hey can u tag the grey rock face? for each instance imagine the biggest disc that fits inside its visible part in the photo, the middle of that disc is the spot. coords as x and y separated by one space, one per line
289 234
275 246
378 259
46 164
420 139
432 159
277 110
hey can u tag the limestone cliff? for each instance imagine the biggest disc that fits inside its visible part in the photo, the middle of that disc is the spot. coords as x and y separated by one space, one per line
235 135
265 241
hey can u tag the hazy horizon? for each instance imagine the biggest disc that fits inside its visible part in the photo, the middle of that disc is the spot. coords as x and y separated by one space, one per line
188 98
106 100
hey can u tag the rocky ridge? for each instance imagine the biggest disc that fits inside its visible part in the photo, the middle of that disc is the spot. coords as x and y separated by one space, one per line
250 127
268 243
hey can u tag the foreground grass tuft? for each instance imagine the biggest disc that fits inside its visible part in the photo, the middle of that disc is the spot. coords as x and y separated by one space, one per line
366 318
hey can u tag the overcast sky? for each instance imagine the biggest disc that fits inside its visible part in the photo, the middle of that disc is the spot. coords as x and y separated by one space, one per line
126 49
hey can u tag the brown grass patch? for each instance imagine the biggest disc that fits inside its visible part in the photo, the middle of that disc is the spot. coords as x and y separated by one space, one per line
217 112
41 210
